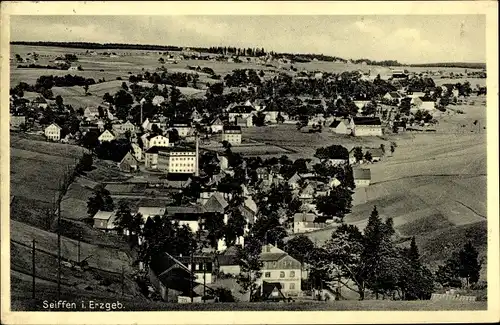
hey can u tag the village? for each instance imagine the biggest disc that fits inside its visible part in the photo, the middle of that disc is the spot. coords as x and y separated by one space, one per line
216 189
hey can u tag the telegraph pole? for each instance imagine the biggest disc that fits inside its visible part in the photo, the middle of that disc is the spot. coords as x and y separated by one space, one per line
59 246
33 267
191 276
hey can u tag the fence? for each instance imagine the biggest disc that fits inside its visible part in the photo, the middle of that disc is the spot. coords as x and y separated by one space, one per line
454 297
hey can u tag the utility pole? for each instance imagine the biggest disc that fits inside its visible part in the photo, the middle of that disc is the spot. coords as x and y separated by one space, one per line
33 267
123 281
191 276
59 246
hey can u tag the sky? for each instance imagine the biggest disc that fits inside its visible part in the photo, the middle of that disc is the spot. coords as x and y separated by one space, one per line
408 39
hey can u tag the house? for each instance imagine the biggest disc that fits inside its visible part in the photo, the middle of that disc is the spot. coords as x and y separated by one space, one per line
216 203
16 121
305 222
362 177
196 116
216 126
393 96
151 158
137 151
376 153
416 102
105 221
427 104
124 127
293 181
340 127
91 113
367 126
40 102
156 141
280 267
307 193
360 104
151 212
170 277
129 163
201 266
231 134
106 136
73 68
184 128
228 263
147 125
337 161
186 215
242 111
157 100
181 160
53 132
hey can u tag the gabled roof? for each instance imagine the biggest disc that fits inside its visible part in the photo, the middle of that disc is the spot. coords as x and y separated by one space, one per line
151 211
216 203
241 109
128 156
362 174
272 257
376 152
395 94
232 128
104 215
106 131
54 124
366 121
334 124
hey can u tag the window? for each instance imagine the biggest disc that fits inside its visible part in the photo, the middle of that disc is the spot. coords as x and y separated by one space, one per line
267 274
282 274
292 274
292 286
197 267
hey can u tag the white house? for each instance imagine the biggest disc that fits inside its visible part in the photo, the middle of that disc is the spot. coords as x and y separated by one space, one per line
158 141
362 177
137 151
367 126
340 127
106 136
305 222
231 134
124 127
91 112
53 132
428 105
393 96
183 128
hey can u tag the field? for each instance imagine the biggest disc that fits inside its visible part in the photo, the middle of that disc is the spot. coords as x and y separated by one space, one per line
434 186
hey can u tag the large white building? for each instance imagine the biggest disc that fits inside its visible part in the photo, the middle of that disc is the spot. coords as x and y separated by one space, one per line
231 134
367 126
53 132
150 141
172 159
106 136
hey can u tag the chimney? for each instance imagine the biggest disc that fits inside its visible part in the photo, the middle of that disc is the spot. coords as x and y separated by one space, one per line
196 171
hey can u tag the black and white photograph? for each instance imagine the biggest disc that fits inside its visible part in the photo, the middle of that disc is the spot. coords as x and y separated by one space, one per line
316 162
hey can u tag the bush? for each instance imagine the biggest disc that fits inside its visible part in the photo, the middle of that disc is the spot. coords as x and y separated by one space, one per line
224 295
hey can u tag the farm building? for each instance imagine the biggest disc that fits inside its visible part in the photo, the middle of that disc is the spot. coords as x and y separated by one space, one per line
280 267
129 163
106 136
171 278
362 177
91 112
201 266
376 153
105 221
340 127
367 126
216 126
16 121
305 222
231 134
151 212
53 132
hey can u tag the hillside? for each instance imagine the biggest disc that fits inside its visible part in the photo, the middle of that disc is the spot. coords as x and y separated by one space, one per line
434 187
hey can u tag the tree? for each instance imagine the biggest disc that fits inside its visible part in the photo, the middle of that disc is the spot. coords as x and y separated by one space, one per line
124 86
86 88
250 266
124 218
259 119
213 224
358 153
59 101
100 201
108 98
336 204
235 226
469 266
173 136
393 148
332 152
299 248
368 156
382 147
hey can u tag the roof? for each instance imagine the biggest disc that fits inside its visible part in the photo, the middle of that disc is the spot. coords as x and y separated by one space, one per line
268 288
39 100
270 257
54 125
395 94
216 203
151 211
181 123
376 152
366 121
304 217
175 149
241 109
104 215
195 259
426 99
334 124
363 174
194 209
128 156
232 128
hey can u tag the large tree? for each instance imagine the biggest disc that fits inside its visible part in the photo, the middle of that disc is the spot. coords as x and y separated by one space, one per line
250 266
100 201
337 203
